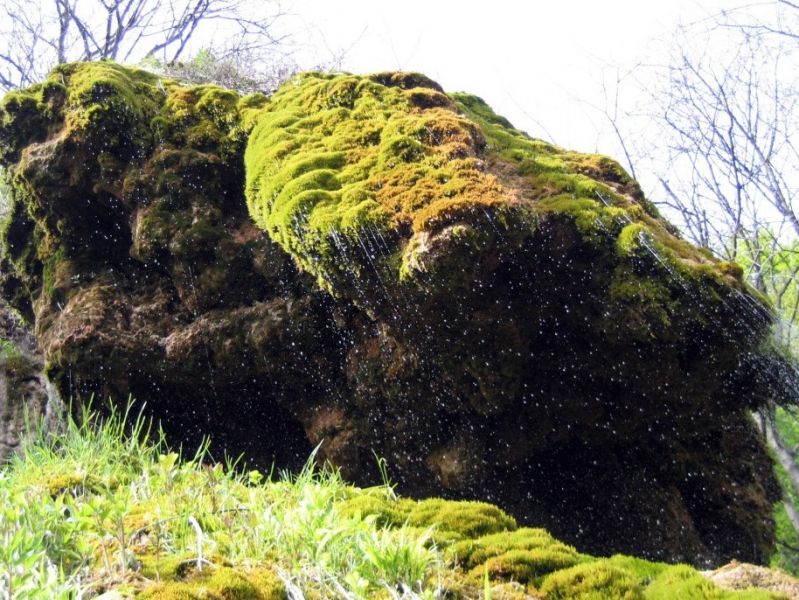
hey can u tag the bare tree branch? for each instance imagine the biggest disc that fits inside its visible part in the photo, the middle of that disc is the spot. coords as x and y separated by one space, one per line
33 40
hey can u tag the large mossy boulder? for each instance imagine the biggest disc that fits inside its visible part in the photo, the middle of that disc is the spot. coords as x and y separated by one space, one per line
130 249
373 265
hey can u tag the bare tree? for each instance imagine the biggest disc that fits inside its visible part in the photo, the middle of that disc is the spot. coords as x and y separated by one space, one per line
37 35
726 155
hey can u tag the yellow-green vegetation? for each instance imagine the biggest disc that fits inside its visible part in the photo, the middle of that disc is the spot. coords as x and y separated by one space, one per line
219 583
337 164
13 361
131 516
120 106
83 99
343 170
593 581
114 135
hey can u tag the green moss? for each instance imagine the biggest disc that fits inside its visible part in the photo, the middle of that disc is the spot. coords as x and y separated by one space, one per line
75 483
598 580
449 519
336 163
466 518
645 571
685 582
163 566
480 539
205 118
375 503
343 170
633 239
585 186
523 555
107 105
106 95
219 583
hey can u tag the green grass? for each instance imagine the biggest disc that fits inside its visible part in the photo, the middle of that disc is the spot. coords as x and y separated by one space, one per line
106 504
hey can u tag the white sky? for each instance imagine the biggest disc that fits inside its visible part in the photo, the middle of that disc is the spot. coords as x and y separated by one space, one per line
539 64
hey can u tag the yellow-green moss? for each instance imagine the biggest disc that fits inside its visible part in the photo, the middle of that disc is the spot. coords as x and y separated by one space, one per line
343 170
523 555
686 583
479 539
337 163
75 483
219 583
163 566
645 571
598 580
105 93
449 520
466 518
632 239
597 193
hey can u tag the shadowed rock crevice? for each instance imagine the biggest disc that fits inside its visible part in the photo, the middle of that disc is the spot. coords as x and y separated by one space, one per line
372 265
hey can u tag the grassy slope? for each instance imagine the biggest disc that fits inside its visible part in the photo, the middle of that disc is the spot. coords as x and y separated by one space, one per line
105 506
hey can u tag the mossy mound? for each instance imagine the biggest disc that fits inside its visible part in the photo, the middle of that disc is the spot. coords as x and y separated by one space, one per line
487 549
354 176
561 318
497 317
218 583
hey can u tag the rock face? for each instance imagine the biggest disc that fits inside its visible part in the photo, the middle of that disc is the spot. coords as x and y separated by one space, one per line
742 576
25 392
404 274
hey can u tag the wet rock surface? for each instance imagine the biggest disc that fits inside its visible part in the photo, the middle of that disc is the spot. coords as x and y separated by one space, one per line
27 397
405 275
